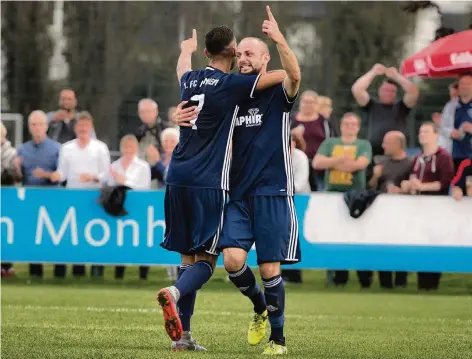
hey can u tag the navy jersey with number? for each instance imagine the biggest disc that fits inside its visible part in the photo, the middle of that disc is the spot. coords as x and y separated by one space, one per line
203 156
262 163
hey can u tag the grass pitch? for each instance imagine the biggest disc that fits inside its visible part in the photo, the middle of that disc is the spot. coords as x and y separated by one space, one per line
85 318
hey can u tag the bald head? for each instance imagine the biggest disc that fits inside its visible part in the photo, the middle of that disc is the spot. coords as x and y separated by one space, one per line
253 56
394 143
148 111
38 125
254 42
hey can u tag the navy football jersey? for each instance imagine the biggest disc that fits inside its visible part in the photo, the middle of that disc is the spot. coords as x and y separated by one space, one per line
262 162
203 156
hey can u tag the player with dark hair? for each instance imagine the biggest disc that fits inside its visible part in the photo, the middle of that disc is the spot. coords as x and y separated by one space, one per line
261 208
198 174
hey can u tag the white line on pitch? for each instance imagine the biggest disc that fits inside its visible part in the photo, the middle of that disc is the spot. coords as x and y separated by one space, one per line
235 314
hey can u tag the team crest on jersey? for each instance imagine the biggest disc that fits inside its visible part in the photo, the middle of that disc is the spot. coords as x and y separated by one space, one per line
253 119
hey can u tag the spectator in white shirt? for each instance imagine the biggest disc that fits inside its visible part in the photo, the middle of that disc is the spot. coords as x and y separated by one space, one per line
301 165
129 170
301 174
81 161
133 172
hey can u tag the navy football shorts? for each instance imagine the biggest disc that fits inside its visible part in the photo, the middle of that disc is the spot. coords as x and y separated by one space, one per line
269 222
194 219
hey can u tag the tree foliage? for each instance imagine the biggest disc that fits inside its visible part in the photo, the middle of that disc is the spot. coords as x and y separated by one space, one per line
27 48
119 52
355 36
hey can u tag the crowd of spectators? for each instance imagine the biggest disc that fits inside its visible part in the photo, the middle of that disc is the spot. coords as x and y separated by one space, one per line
380 162
64 150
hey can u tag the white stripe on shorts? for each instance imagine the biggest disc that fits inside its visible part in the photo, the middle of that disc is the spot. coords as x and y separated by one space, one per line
216 237
293 243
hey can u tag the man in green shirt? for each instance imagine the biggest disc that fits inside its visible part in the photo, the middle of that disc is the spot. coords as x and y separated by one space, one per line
344 158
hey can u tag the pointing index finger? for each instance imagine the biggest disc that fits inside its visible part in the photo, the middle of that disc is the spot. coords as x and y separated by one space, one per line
194 34
269 13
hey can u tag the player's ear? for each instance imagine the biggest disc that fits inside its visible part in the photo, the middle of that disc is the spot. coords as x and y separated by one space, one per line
205 51
267 57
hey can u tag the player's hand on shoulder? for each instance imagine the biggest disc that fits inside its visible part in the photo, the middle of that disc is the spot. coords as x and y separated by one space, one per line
190 45
183 116
271 28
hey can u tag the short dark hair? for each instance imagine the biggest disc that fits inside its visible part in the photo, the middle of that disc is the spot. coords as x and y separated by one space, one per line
391 82
432 124
217 41
454 85
351 114
464 74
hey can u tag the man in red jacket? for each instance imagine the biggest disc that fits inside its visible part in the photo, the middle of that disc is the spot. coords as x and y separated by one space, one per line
462 182
433 169
432 174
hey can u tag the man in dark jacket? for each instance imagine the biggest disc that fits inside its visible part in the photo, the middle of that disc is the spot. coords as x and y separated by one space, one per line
149 133
61 123
387 178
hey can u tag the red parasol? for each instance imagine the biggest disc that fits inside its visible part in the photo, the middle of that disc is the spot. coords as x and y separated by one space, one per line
446 57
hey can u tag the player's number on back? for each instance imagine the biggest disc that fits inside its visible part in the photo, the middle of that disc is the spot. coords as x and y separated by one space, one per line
201 100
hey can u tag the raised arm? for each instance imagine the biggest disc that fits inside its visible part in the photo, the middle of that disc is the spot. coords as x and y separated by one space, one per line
411 91
187 48
359 89
287 57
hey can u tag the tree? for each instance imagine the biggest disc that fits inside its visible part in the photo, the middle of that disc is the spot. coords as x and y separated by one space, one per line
102 56
27 48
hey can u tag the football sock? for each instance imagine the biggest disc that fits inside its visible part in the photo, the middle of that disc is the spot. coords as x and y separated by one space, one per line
274 292
193 278
186 303
245 281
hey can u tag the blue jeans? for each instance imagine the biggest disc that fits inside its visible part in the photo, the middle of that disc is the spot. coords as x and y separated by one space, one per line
319 183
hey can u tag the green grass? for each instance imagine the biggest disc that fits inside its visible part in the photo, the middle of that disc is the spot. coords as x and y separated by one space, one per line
85 318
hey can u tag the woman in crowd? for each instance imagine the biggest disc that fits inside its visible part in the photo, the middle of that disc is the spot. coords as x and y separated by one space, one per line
7 163
8 156
132 172
160 162
325 109
310 122
159 165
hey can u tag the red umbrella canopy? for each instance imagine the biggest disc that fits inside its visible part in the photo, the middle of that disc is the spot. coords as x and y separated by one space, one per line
446 57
